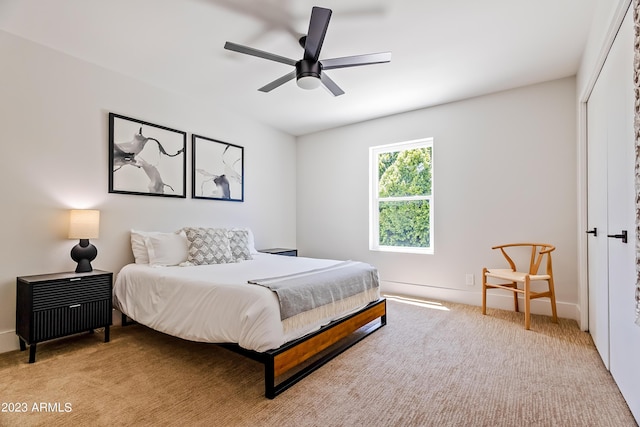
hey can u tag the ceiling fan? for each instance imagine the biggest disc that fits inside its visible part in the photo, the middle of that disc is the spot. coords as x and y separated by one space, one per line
309 72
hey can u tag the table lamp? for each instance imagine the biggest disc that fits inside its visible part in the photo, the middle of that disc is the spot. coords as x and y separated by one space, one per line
84 225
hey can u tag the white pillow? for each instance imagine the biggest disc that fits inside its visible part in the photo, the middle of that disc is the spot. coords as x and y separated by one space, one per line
139 246
166 249
140 253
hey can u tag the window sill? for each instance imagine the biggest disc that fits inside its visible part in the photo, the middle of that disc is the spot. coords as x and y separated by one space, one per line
397 249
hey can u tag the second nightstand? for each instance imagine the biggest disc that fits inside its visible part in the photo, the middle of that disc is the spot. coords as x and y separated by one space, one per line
280 251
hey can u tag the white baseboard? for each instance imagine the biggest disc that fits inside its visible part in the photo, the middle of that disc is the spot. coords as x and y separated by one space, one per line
474 297
116 318
8 341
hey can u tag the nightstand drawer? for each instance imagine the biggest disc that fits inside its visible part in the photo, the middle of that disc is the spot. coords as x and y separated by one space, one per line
65 293
292 252
280 251
62 321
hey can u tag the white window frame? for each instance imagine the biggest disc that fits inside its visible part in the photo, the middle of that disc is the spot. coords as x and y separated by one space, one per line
374 200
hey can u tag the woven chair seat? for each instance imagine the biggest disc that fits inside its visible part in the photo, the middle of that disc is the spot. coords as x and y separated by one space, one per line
514 276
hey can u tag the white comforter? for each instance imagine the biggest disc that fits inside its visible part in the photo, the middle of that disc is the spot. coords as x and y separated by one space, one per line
214 303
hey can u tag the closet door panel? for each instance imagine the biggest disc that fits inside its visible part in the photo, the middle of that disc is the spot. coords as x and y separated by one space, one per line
597 242
624 333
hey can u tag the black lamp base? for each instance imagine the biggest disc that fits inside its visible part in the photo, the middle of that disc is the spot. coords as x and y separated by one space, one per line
83 253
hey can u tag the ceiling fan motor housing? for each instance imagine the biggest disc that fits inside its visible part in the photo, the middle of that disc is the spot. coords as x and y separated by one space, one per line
308 73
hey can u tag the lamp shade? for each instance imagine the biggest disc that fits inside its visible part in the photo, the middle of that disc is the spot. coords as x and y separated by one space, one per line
84 224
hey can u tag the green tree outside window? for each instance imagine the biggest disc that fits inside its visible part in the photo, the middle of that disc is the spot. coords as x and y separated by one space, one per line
404 195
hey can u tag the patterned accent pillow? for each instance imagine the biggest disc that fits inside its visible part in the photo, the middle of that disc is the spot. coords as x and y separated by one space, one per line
208 246
239 244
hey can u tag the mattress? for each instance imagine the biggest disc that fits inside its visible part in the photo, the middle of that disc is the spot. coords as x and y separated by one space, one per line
215 303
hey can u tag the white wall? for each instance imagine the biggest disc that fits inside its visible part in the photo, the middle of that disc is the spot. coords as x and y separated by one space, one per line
54 121
504 171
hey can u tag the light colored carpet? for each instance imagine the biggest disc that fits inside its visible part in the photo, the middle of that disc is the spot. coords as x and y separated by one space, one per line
437 364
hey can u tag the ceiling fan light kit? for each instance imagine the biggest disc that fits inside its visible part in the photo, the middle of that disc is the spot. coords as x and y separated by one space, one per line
308 74
309 70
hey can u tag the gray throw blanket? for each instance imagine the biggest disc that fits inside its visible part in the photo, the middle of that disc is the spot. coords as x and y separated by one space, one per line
305 291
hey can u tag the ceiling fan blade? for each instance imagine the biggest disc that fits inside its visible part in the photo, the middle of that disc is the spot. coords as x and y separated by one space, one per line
317 30
356 60
259 53
278 82
331 85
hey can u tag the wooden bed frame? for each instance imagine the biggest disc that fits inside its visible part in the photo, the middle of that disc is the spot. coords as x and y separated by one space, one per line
326 343
295 353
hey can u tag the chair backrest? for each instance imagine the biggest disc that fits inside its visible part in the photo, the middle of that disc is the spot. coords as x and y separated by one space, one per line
538 251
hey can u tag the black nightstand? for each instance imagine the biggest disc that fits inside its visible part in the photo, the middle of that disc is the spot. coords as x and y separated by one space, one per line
51 306
280 251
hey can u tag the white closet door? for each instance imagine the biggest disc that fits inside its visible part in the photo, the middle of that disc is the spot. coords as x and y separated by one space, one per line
597 242
624 334
610 119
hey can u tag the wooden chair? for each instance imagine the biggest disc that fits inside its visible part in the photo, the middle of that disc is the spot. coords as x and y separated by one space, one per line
513 277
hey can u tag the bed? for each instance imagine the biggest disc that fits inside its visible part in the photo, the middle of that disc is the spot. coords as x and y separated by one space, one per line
244 306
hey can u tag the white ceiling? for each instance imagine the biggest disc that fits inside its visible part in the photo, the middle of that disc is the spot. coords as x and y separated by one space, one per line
443 50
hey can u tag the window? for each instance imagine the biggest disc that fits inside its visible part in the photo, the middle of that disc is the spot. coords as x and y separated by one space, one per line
401 193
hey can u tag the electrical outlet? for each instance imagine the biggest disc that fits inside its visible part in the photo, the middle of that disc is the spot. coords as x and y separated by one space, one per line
469 279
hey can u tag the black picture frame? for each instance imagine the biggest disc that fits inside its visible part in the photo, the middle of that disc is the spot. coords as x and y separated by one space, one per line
146 159
217 171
